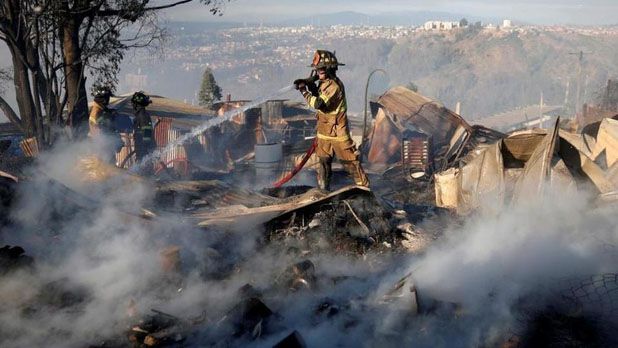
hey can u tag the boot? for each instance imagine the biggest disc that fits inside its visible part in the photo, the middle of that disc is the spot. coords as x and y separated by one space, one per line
357 173
324 173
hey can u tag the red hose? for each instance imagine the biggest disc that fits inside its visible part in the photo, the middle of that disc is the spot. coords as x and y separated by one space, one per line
163 165
299 166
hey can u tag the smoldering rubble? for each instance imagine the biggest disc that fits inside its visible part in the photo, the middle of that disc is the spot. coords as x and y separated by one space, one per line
467 237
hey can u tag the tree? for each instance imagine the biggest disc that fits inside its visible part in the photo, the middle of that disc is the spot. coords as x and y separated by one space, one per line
209 90
54 44
4 106
463 23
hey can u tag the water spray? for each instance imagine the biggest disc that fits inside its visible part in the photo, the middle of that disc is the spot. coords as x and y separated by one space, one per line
215 121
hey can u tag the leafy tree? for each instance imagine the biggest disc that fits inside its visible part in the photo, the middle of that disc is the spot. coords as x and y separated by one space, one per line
463 23
209 90
5 77
412 86
54 44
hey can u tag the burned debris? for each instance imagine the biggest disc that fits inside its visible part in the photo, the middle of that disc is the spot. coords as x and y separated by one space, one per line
13 258
224 264
348 220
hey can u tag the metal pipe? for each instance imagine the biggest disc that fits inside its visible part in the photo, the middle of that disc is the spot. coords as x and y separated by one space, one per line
366 92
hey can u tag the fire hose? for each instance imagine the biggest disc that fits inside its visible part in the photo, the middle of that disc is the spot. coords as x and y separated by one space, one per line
299 166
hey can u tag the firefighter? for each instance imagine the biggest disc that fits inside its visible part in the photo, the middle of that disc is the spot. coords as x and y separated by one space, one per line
101 118
333 133
142 125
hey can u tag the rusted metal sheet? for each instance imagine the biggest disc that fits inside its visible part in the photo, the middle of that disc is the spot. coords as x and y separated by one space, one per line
164 133
402 109
177 156
161 131
384 144
125 158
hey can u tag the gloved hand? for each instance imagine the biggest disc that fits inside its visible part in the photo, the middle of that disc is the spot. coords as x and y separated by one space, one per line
300 84
313 88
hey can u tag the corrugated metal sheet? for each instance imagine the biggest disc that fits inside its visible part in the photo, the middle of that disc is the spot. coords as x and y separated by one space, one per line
164 133
177 156
426 115
30 147
402 109
122 157
161 131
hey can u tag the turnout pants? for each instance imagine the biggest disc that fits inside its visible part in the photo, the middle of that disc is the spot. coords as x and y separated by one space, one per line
348 155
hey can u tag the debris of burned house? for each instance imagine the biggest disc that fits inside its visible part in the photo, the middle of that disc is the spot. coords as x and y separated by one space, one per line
328 308
414 136
14 258
526 163
578 311
170 280
157 330
300 276
549 328
170 119
248 291
190 196
402 296
293 340
402 111
414 239
351 219
415 150
61 294
250 317
605 107
8 188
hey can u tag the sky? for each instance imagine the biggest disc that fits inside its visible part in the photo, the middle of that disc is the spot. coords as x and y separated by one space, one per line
580 12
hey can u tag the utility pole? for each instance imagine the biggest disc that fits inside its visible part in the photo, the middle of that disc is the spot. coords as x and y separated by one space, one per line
541 121
367 92
579 79
566 94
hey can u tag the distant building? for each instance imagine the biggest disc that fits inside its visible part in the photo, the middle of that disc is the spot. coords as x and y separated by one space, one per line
507 23
440 25
136 82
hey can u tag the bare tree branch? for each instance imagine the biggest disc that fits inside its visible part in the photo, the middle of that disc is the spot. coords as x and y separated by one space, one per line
10 113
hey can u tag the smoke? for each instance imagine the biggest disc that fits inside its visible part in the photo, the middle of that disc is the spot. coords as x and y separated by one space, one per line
99 269
493 263
208 124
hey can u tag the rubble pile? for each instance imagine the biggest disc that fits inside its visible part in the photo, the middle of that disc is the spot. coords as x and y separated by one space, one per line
13 258
126 260
352 222
7 195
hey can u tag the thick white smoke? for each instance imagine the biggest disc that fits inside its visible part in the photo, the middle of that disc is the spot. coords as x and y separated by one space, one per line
96 246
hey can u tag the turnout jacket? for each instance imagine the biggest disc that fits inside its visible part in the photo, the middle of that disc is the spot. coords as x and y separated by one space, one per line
330 102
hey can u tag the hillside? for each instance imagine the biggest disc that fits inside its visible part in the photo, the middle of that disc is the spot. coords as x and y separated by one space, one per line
488 71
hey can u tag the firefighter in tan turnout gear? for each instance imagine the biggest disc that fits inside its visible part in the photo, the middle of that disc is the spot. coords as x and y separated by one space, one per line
101 118
333 134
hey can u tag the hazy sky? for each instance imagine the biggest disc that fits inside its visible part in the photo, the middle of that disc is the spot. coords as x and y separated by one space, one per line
535 11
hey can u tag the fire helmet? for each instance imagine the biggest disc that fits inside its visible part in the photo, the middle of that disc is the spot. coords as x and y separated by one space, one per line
323 59
101 92
140 98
